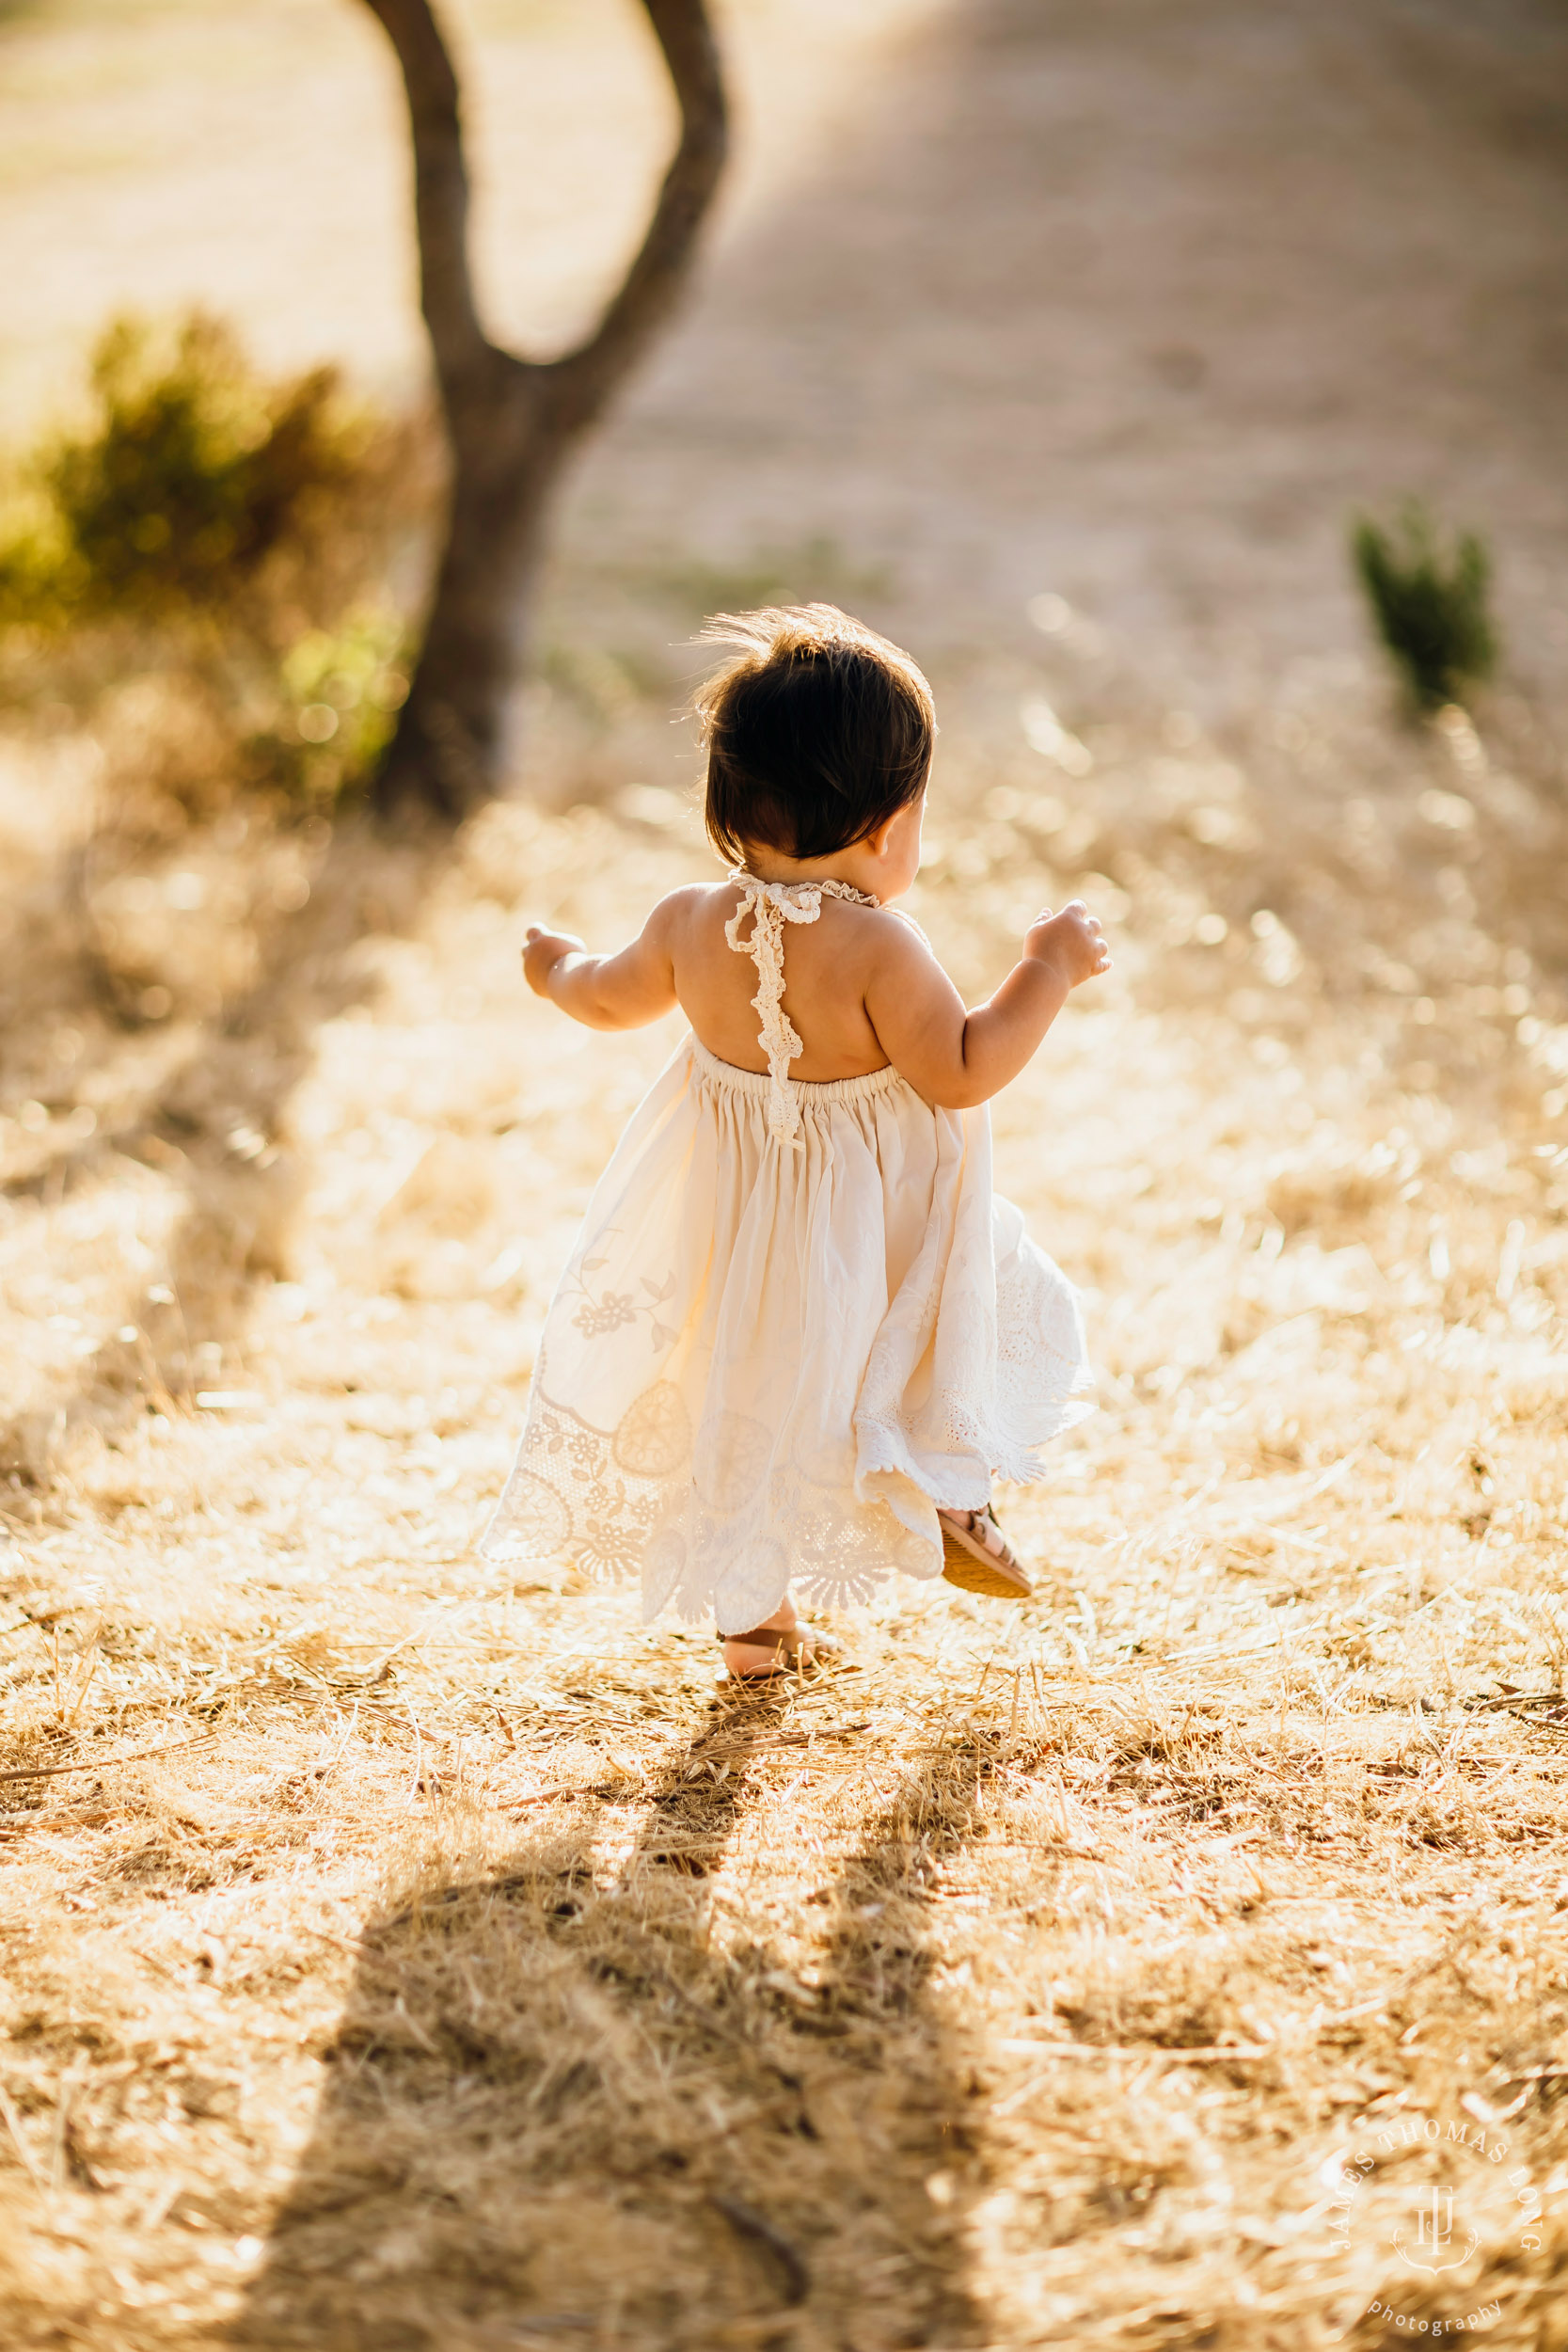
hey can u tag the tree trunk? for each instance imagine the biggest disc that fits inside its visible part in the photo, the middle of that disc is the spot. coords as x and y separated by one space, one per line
510 422
448 750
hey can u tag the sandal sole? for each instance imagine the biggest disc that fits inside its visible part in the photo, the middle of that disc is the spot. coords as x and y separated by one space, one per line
988 1576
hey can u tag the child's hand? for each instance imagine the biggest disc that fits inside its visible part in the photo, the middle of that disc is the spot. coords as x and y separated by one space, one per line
543 952
1072 941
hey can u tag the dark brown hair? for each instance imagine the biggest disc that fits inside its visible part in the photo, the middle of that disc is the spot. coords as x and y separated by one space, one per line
817 731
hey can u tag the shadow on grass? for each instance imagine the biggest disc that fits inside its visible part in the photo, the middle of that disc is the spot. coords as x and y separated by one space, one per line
588 2100
213 1127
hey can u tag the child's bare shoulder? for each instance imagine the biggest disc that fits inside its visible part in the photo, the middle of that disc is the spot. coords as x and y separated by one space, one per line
883 934
693 902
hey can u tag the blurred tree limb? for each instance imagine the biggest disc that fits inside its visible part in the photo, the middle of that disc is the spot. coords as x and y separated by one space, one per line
511 422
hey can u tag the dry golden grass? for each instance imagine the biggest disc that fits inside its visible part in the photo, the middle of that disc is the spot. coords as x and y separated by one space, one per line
399 1954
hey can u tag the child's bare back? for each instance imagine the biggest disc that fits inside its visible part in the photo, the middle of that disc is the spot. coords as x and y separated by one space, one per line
828 971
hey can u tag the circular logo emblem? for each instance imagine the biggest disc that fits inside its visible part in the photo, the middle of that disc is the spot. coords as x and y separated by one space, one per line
1437 2197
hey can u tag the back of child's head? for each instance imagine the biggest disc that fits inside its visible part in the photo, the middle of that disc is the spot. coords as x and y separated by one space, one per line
816 732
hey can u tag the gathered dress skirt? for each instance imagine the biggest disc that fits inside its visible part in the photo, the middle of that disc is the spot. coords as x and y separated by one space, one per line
768 1362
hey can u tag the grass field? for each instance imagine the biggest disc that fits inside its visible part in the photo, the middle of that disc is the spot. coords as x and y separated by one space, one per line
396 1951
399 1953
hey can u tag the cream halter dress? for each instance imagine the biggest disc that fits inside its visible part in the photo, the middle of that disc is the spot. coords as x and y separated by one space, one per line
796 1320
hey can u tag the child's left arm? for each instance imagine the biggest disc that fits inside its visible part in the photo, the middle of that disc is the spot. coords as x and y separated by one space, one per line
620 991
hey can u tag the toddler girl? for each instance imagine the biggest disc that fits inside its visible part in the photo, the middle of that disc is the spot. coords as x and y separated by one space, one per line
798 1333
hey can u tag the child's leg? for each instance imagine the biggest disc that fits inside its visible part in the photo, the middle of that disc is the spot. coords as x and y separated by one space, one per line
756 1660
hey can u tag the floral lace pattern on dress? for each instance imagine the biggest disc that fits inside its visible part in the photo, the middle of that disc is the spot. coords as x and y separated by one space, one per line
768 1365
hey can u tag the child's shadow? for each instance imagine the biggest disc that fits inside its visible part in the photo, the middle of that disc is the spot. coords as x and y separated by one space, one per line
599 2106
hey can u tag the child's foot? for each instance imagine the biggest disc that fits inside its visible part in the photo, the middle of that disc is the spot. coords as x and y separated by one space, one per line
780 1644
977 1557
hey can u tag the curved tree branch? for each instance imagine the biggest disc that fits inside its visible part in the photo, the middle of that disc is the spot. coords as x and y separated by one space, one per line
583 379
511 422
440 189
589 375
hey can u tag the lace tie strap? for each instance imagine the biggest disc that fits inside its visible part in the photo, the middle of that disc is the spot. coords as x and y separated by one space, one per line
770 906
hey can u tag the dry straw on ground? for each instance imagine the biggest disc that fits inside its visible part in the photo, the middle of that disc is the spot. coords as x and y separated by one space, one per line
396 1953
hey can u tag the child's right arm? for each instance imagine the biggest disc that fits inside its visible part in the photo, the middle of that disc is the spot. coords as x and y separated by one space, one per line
621 992
956 1059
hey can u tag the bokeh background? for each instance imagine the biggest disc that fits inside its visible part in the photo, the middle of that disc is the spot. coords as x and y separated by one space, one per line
1136 305
381 1929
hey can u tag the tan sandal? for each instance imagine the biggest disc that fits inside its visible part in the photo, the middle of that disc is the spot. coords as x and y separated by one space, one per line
977 1557
797 1649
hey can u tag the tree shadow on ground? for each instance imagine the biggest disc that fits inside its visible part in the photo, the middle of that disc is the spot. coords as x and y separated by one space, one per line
214 1125
583 2099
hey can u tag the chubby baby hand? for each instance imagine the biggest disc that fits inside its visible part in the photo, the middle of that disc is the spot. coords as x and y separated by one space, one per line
1071 940
542 951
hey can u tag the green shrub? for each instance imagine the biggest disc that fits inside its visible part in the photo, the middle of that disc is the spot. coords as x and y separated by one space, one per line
203 569
339 692
1429 603
191 470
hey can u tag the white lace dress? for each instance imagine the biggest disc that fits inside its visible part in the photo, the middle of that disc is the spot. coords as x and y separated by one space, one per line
796 1320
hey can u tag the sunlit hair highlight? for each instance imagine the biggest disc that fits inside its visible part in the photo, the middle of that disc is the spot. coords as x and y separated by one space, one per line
817 731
